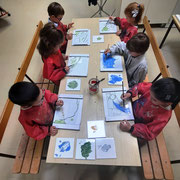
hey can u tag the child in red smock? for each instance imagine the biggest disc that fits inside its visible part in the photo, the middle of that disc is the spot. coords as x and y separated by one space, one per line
51 40
128 26
37 109
153 109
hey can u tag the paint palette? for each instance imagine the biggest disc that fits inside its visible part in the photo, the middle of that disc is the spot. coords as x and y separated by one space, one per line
64 148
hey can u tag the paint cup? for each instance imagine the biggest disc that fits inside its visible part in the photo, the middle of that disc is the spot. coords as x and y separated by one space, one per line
93 87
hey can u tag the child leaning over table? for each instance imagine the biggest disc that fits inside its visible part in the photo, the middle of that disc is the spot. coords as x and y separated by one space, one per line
37 109
128 26
56 13
134 57
51 40
153 109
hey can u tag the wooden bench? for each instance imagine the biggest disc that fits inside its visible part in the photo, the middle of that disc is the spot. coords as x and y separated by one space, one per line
29 152
154 155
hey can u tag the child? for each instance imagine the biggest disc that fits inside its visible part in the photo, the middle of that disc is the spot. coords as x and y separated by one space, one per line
128 25
56 13
37 109
134 57
54 63
153 109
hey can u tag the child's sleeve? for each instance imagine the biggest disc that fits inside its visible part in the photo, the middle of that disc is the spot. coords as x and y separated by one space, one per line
139 89
34 131
119 48
117 21
138 76
51 97
54 74
151 130
130 35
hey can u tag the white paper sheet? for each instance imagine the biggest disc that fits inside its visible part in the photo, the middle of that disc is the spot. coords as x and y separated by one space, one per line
98 39
85 149
81 37
64 148
107 28
73 84
96 129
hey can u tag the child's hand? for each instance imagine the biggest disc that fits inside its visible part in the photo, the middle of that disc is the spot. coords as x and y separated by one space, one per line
126 96
67 69
53 131
69 36
111 18
107 51
70 25
59 103
125 126
118 33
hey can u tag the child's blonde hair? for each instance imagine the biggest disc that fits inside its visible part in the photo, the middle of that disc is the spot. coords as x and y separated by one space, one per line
135 10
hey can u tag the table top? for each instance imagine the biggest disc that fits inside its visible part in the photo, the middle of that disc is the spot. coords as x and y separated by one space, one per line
127 151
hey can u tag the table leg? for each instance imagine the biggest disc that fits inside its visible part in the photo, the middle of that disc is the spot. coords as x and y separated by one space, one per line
165 36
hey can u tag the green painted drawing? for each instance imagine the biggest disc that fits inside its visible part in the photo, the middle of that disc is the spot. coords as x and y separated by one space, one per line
72 84
60 121
86 149
105 28
99 38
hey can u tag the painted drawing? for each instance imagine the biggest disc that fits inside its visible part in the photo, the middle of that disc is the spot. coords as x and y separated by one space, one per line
98 39
78 64
115 78
85 149
110 62
64 148
96 129
81 37
114 107
73 84
105 148
107 26
69 115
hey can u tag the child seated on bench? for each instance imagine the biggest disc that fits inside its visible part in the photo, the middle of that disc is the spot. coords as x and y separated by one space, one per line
37 109
134 57
128 26
56 13
54 62
153 109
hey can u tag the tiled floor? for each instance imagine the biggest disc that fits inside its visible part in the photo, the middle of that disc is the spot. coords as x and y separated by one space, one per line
15 34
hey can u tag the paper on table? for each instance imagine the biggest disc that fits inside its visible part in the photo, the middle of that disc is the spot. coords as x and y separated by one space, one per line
98 39
81 37
107 28
73 84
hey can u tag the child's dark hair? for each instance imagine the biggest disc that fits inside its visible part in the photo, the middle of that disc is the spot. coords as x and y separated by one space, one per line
55 9
167 90
135 10
50 37
23 93
139 43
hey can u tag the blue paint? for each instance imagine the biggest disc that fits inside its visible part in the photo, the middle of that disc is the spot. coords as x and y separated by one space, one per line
123 109
108 61
65 146
115 78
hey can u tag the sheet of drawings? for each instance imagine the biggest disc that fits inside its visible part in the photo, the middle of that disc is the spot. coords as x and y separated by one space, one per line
85 149
98 39
73 84
115 78
96 129
107 26
78 64
64 148
114 107
105 148
81 37
69 115
110 63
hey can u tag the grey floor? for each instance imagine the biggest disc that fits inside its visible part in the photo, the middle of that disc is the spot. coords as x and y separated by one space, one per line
15 34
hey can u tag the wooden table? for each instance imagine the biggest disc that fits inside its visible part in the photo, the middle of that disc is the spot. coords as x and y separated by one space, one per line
175 21
126 145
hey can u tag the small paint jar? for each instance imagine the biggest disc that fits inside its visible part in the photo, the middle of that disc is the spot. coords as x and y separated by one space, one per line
93 87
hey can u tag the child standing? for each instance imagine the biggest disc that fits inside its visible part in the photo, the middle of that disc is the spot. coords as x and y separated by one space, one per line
56 13
133 52
54 62
37 109
153 109
128 26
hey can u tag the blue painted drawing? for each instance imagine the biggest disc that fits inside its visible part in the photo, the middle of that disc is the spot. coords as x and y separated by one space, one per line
65 146
121 108
115 79
105 148
108 61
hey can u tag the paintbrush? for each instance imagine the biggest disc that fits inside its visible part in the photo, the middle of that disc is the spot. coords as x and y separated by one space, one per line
109 19
123 93
107 53
97 82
